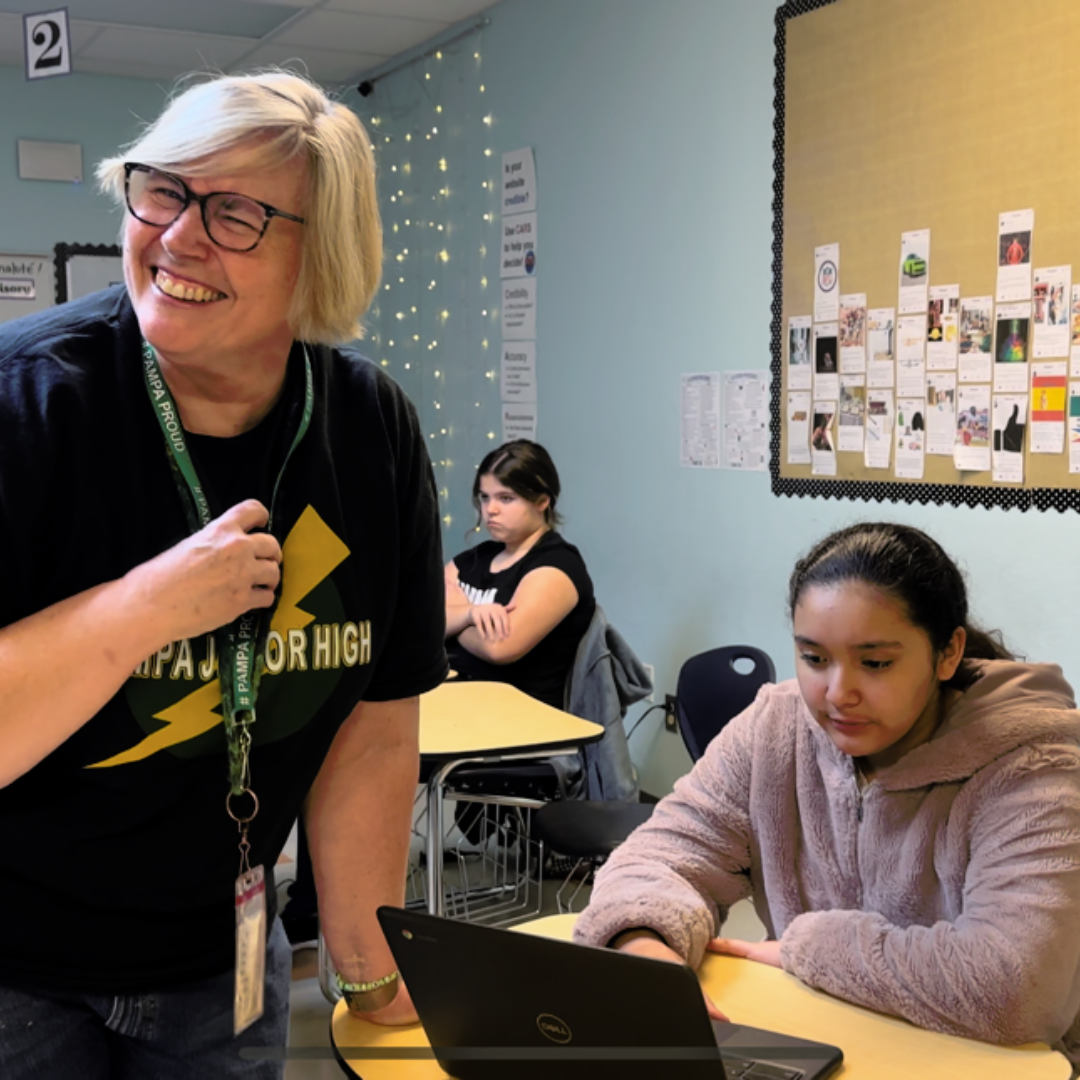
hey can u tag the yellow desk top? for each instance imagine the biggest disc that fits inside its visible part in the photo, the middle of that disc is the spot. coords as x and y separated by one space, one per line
462 718
875 1047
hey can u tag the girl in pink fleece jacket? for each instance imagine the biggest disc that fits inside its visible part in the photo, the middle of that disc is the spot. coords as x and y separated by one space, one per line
905 815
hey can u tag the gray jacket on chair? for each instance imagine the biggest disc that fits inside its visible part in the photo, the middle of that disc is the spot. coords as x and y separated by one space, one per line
606 679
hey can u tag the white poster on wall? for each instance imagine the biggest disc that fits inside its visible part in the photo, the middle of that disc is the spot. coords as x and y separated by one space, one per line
910 438
518 373
971 450
1015 231
700 414
519 309
976 339
800 366
881 347
827 283
519 245
1049 389
798 428
879 428
823 439
940 412
26 285
1012 348
1074 427
942 327
1050 312
518 421
911 356
746 420
826 379
914 271
518 181
852 333
1010 422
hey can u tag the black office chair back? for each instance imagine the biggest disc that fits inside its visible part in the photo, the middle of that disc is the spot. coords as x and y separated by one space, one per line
711 690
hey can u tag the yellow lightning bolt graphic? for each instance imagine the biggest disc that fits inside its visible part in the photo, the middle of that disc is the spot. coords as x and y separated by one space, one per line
311 552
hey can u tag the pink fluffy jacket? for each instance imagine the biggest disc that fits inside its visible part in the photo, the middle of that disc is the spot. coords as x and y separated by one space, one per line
946 891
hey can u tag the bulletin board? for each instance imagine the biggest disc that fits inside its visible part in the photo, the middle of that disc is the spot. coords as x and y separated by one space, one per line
901 115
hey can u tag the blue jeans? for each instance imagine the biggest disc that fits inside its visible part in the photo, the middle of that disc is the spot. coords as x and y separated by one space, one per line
180 1034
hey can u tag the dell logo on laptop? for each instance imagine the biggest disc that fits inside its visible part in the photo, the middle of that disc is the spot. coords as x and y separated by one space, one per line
553 1028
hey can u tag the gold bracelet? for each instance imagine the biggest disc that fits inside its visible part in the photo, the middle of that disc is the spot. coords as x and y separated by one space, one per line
370 996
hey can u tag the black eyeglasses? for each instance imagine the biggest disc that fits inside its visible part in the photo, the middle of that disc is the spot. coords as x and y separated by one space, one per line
232 221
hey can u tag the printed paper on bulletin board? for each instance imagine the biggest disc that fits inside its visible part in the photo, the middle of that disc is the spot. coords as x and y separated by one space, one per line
898 115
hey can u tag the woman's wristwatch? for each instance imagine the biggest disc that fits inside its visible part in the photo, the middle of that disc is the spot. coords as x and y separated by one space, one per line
367 997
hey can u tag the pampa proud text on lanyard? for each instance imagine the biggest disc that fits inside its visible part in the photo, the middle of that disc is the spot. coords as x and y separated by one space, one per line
239 671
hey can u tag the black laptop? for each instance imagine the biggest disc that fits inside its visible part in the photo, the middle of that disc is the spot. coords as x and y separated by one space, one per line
500 1005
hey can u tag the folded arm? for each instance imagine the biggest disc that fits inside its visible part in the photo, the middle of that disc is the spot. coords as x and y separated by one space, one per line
458 606
543 598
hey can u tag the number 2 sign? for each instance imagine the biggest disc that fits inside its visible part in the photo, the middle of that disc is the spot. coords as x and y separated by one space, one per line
48 44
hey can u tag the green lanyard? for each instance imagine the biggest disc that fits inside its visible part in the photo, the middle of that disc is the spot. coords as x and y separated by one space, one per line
239 665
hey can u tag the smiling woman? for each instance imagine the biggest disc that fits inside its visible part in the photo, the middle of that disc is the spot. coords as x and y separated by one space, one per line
213 458
905 815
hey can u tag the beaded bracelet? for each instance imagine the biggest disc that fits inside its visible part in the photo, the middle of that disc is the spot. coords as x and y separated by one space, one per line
366 996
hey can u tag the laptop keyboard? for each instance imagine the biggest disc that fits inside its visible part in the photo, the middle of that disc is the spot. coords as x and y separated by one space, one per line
738 1068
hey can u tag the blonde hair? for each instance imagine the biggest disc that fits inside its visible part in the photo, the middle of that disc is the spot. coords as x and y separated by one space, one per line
264 120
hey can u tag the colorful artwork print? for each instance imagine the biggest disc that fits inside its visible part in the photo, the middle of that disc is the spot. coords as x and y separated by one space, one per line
1013 342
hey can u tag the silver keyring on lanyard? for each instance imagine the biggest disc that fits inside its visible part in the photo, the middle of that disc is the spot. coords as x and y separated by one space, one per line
243 823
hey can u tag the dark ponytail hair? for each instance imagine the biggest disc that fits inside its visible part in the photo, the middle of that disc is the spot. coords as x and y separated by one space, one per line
525 468
913 570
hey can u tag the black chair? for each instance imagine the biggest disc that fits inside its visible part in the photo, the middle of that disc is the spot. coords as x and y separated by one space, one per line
585 834
711 691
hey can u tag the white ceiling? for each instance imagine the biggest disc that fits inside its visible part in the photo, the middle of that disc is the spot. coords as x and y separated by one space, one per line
336 41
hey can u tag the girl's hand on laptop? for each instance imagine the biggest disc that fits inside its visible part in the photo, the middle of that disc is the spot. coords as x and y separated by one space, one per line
398 1013
650 945
764 952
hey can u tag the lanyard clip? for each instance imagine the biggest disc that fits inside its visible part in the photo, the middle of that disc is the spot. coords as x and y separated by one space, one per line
243 823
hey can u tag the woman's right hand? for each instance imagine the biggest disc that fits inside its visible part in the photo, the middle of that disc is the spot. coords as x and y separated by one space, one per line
652 947
492 621
214 576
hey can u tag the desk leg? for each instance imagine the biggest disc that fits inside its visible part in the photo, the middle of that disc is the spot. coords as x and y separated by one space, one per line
434 847
436 831
435 816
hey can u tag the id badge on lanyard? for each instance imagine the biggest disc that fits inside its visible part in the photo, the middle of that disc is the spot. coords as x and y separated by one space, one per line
250 987
239 670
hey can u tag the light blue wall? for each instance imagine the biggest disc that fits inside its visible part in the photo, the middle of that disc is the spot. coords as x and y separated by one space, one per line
101 114
652 127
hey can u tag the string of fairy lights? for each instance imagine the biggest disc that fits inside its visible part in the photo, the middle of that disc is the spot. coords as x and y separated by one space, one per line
435 324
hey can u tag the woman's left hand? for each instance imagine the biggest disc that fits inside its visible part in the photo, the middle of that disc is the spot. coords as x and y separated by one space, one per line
764 952
398 1013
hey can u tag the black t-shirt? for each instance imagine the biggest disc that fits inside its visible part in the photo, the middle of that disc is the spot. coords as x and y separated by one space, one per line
542 671
245 466
117 858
